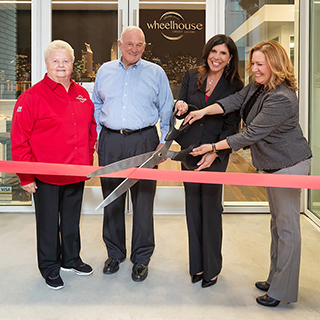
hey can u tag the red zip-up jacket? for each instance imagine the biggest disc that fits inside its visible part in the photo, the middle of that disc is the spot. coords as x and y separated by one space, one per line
52 125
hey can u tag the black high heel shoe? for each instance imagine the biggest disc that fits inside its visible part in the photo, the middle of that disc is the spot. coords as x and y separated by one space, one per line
206 284
196 278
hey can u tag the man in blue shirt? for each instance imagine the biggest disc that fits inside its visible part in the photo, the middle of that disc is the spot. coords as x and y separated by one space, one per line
130 95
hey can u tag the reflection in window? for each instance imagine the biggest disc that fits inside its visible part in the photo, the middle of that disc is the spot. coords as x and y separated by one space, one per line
314 195
15 78
92 34
249 22
247 31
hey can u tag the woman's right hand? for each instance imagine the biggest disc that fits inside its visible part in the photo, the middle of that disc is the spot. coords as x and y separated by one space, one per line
194 115
206 161
31 187
182 107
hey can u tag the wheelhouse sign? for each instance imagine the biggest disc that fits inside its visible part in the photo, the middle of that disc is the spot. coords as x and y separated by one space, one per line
173 26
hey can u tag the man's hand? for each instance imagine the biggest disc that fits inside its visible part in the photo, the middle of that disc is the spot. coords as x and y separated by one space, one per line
206 161
31 187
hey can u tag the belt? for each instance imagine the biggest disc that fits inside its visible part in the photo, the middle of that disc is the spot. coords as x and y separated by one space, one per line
126 132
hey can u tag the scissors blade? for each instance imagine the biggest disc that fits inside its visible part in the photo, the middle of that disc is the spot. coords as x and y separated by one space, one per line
157 156
171 154
117 192
122 164
127 183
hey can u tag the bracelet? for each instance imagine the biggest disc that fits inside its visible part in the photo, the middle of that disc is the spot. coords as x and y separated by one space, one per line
214 149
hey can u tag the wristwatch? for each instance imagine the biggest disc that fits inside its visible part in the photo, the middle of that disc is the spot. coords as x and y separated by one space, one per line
214 149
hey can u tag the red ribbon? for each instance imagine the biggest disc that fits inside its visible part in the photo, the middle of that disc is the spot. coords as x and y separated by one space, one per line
230 178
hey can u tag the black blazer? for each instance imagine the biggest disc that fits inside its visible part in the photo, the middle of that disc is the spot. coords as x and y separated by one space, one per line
213 128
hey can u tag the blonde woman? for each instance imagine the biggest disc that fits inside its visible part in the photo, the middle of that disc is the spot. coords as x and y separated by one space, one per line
54 122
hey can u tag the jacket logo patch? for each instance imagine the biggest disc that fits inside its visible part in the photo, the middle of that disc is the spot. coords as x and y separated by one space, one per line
19 109
81 98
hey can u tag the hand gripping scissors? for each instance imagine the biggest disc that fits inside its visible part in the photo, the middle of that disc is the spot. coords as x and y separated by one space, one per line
148 160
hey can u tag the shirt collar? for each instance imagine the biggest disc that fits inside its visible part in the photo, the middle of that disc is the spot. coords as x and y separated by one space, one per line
134 65
52 84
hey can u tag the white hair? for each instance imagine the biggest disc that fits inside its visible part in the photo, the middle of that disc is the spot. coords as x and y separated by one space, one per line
132 28
58 45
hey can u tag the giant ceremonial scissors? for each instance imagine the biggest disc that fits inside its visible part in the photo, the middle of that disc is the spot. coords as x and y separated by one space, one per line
148 160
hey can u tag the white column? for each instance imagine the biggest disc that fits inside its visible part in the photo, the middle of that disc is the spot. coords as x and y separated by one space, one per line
215 18
41 22
134 13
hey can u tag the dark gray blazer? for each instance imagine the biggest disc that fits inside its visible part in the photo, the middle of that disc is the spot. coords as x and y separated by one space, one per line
273 132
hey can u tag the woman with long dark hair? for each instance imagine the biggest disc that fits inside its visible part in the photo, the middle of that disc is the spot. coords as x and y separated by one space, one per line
217 78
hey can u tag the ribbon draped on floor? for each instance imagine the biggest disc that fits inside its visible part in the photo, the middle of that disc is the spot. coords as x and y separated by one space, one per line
230 178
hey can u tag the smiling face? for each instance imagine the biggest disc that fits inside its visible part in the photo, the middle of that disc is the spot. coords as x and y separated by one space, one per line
132 47
261 68
59 65
218 58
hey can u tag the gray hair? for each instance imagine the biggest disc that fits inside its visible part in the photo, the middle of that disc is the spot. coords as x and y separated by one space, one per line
58 45
132 28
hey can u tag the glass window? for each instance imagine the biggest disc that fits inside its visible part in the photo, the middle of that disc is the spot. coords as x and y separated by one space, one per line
15 78
92 31
314 195
249 22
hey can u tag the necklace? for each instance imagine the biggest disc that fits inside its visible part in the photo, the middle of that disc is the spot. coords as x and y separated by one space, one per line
212 81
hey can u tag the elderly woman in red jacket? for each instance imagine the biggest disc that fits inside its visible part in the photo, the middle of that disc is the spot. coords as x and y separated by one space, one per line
53 122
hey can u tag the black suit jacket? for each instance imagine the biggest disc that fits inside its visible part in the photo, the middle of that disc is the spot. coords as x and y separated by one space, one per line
209 129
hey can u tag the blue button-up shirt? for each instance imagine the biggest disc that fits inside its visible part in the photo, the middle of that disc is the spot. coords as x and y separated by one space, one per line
132 98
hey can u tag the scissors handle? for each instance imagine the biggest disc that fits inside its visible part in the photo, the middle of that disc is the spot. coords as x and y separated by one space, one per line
173 132
188 161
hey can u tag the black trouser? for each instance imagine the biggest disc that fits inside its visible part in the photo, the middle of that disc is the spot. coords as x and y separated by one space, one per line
114 147
204 221
58 211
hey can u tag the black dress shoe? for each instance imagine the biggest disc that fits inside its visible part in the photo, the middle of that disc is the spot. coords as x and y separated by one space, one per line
206 284
196 278
262 285
267 301
111 265
139 272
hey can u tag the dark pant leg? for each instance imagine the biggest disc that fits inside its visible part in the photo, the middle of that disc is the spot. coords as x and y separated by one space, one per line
204 221
46 201
142 195
113 229
194 224
142 247
211 195
114 234
70 209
